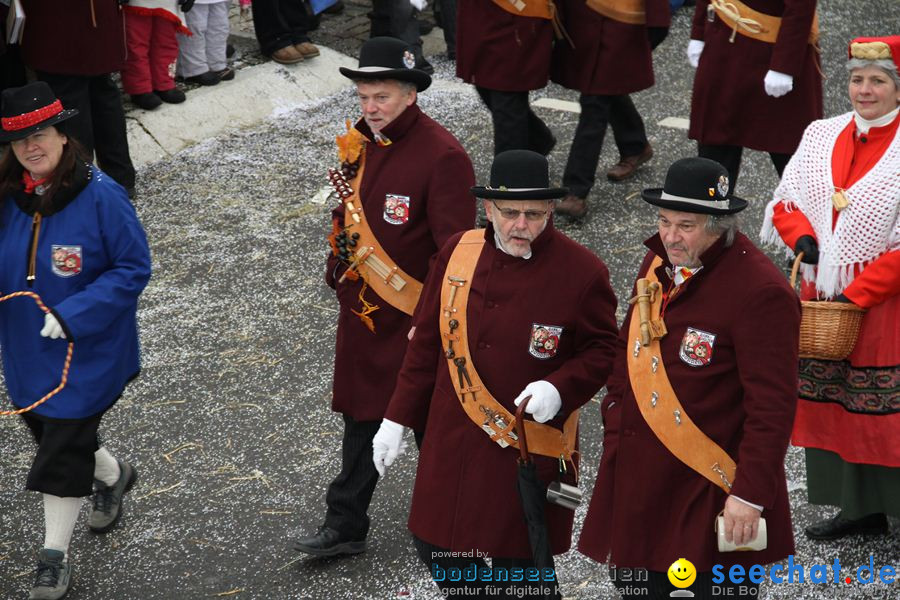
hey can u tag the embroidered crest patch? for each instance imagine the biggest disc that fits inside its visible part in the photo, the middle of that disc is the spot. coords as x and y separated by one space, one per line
409 59
722 186
697 347
65 261
396 209
544 341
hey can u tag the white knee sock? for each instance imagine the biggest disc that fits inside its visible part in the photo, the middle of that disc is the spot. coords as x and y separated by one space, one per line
106 467
60 515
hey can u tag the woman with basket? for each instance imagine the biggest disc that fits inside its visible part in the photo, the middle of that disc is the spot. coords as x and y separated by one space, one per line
71 242
837 209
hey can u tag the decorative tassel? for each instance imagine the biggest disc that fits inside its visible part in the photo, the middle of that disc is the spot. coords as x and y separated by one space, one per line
367 308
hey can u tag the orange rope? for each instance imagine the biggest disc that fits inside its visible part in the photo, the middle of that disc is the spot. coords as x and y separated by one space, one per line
65 371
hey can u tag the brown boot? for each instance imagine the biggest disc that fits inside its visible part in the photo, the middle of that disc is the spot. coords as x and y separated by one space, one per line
307 49
573 207
287 55
627 165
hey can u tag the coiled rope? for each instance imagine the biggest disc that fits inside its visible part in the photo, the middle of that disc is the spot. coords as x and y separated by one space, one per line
65 370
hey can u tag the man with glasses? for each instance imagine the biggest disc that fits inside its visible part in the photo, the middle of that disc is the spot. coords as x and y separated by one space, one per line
514 311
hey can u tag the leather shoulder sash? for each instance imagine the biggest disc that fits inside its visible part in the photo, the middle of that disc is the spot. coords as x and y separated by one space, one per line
624 11
478 403
398 288
654 394
527 8
742 19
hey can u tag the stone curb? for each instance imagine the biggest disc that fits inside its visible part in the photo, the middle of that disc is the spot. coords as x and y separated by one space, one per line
256 93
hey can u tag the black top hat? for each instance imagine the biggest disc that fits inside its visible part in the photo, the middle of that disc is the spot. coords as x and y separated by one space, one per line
388 58
696 185
28 109
519 175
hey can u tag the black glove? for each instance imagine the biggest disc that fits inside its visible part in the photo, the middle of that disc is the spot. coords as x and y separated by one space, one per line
656 35
844 299
810 249
186 5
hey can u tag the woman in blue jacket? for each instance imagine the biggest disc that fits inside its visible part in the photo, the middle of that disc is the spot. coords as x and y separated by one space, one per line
69 234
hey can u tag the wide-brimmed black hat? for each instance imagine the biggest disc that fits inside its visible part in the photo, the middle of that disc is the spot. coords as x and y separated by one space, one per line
696 185
388 58
28 109
519 175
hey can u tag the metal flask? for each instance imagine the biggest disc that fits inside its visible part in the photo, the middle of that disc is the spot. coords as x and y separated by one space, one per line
563 494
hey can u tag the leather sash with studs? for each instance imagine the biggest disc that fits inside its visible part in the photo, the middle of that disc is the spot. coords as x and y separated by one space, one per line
478 403
656 398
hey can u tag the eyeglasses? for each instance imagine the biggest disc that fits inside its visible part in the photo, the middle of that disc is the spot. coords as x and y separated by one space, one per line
511 214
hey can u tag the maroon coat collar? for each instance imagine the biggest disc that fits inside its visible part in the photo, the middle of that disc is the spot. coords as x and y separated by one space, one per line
396 129
708 259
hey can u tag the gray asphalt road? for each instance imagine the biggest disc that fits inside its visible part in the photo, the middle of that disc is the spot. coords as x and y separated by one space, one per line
230 426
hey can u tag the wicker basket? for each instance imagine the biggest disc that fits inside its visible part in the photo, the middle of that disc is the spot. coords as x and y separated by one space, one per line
828 330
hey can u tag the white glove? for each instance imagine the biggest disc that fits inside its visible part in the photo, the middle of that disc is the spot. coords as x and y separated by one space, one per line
419 4
778 84
52 329
387 444
545 401
694 50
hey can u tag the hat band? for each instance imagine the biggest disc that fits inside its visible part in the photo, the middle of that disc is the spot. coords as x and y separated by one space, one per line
34 117
503 188
708 203
375 69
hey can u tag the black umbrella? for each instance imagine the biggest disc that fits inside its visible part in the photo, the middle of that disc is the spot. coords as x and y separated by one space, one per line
533 494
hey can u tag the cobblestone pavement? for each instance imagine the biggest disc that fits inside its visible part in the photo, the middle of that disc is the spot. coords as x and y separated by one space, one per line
229 424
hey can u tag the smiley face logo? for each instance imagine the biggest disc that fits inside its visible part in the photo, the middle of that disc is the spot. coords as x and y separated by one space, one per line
682 573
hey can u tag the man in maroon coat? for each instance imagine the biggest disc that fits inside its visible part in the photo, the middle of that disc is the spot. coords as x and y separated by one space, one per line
609 58
415 195
750 93
505 56
729 352
75 47
540 318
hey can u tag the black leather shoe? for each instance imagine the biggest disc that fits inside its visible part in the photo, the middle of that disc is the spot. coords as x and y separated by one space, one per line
173 96
329 542
208 78
147 101
838 527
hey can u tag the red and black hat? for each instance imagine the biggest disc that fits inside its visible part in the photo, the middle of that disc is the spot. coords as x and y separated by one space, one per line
388 58
696 185
28 109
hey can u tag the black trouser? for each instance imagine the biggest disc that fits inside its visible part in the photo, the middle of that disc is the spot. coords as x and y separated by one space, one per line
12 69
515 124
100 123
596 112
730 158
280 23
350 494
397 18
447 10
64 464
640 584
444 569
